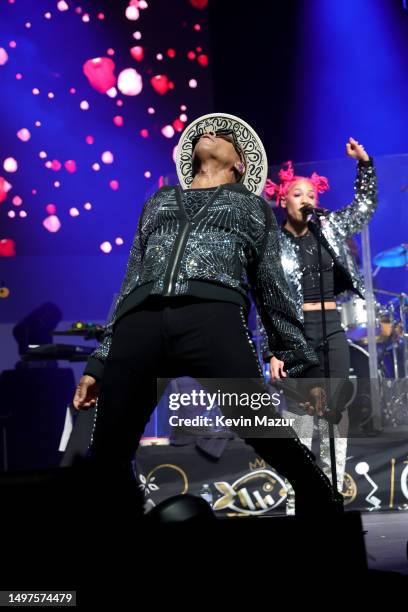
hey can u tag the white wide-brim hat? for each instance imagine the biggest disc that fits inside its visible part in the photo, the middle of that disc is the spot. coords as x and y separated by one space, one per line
247 139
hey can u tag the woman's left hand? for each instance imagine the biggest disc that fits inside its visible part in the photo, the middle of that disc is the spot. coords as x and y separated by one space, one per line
355 150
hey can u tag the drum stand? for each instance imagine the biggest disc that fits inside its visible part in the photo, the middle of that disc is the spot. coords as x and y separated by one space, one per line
395 390
371 335
394 344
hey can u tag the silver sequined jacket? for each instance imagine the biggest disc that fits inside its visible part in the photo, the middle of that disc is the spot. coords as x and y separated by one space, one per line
336 228
232 242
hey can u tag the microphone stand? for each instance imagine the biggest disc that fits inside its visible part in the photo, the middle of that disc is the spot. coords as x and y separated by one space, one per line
326 360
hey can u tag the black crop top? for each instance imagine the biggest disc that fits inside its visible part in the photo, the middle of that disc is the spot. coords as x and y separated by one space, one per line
309 265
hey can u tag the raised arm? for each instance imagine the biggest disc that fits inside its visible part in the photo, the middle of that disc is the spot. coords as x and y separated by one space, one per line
352 218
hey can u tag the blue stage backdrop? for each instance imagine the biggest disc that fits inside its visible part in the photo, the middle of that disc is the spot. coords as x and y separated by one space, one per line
94 97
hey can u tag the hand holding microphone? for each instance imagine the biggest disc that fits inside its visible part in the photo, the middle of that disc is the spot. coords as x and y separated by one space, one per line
308 210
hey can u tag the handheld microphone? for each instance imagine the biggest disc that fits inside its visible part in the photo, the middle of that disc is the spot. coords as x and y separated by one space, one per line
309 209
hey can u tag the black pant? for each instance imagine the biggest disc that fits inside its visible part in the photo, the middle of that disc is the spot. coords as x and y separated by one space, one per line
339 352
166 338
169 338
340 387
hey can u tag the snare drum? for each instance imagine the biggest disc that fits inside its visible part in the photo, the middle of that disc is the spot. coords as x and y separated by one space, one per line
353 315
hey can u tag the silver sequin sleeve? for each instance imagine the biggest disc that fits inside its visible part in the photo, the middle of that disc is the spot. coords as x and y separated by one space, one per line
352 218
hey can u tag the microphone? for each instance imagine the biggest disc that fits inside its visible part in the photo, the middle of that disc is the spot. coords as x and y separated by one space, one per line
309 209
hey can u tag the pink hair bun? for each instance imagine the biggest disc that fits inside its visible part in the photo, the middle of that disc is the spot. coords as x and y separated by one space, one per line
287 177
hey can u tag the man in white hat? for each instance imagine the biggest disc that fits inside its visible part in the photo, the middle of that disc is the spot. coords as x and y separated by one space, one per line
200 246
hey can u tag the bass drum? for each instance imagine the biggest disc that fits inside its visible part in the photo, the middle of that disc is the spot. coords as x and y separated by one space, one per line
360 407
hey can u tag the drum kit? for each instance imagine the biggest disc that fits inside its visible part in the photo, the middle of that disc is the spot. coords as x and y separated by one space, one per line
391 341
391 320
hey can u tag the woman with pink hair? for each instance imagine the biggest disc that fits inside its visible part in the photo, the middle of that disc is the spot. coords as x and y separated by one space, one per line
299 196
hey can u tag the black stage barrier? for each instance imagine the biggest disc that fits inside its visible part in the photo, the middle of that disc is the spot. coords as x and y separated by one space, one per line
68 531
239 483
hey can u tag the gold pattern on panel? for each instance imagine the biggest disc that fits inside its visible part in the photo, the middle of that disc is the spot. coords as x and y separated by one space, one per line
257 464
349 491
177 469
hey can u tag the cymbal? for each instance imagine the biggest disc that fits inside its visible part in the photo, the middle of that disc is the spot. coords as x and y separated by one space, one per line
386 292
401 298
393 258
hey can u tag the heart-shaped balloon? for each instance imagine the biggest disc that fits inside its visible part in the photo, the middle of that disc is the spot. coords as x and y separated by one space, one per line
55 165
4 188
100 73
7 248
202 59
160 83
70 165
137 53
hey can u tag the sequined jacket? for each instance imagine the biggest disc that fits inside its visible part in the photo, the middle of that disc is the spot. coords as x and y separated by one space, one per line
336 228
232 242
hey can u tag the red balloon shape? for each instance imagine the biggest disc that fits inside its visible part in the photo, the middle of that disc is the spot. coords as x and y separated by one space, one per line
100 73
7 248
3 191
199 4
160 83
137 53
203 60
70 165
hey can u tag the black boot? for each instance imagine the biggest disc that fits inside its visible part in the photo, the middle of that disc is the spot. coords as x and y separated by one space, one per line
294 461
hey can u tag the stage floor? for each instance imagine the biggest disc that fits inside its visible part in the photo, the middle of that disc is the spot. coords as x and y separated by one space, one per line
386 540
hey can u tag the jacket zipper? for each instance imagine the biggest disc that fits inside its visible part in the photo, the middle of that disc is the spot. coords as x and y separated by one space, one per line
177 257
182 239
